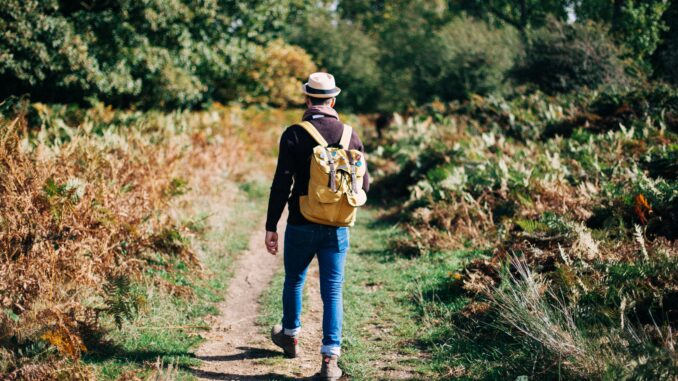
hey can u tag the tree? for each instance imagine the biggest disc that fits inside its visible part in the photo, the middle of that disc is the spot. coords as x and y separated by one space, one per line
342 48
153 53
637 24
521 14
665 58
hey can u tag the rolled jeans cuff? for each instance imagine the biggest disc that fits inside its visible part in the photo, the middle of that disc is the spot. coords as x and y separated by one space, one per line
292 332
330 350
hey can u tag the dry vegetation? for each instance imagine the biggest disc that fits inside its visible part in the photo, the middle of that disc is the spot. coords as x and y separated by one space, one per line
574 259
84 196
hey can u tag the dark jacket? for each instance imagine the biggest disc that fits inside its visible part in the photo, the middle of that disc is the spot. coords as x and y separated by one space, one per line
294 161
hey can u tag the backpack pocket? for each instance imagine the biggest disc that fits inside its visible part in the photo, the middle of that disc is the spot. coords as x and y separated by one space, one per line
357 199
325 195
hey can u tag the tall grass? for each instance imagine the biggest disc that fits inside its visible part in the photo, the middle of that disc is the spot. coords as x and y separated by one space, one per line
527 305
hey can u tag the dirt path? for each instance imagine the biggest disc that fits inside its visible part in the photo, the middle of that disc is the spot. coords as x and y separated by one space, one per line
236 349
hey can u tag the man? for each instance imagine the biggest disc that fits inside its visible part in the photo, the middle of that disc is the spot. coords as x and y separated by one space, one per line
304 239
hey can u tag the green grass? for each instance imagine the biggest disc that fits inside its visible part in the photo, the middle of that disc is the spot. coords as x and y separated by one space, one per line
393 306
169 326
270 310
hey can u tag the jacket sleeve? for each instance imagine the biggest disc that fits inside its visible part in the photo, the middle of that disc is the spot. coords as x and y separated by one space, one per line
282 181
357 144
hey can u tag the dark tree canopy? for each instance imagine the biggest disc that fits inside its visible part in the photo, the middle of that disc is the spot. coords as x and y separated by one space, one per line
387 54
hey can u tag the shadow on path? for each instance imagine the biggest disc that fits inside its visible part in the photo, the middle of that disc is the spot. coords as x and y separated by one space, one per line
208 375
248 353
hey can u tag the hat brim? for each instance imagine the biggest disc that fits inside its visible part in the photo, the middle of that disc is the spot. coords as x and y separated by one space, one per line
315 93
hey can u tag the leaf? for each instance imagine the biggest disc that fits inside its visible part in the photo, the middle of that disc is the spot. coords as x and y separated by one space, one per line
531 226
11 315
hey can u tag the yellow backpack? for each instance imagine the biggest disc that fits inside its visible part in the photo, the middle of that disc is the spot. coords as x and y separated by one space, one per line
335 185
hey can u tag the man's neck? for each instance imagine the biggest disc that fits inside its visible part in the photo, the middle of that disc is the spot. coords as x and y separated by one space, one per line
322 111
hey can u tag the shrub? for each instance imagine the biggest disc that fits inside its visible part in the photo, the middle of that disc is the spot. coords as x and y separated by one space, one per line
86 224
278 73
466 56
349 54
153 54
666 56
562 57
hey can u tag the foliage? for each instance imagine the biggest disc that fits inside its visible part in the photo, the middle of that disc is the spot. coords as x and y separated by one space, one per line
344 50
637 25
522 15
586 212
277 74
466 56
121 301
640 26
665 59
151 54
85 226
577 55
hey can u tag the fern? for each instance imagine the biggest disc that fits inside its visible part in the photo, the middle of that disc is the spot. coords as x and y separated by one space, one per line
532 226
122 302
640 239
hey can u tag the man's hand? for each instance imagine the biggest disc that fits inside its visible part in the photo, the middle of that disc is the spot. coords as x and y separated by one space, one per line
272 242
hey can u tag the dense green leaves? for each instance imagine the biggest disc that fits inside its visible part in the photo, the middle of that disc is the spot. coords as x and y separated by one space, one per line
341 48
467 56
577 55
153 53
386 54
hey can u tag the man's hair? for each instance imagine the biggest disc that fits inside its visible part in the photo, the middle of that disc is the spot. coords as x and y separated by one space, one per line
319 101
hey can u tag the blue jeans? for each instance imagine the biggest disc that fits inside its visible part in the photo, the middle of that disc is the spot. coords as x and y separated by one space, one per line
302 243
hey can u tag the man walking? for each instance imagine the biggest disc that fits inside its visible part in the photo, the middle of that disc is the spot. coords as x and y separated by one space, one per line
305 239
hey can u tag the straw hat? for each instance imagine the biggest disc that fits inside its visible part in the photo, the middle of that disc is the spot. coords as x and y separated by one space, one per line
320 85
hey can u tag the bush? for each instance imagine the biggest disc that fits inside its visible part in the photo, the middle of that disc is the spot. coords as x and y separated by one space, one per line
466 56
278 72
562 57
350 55
152 54
666 56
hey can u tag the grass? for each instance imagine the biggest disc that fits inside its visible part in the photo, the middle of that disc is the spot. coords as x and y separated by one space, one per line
270 307
170 326
391 306
395 306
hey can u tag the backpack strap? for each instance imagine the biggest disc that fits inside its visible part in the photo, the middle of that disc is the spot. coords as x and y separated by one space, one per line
346 136
310 128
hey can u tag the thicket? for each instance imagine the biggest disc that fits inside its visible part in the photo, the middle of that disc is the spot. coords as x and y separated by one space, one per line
387 55
466 57
154 54
451 50
569 208
562 58
85 221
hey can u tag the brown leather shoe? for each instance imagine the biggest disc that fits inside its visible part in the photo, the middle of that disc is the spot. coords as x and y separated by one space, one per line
287 343
330 368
